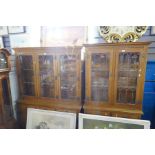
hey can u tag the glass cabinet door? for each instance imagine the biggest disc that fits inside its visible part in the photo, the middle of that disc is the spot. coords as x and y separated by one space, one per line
68 76
3 61
46 76
127 77
27 75
100 69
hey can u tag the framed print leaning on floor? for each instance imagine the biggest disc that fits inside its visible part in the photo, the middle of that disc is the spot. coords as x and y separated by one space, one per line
87 121
46 119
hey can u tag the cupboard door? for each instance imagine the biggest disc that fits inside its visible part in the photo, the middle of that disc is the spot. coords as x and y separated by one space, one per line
128 76
69 76
47 78
26 74
99 75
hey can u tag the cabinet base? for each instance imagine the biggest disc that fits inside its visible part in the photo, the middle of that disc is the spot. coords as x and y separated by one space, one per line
114 112
11 124
62 107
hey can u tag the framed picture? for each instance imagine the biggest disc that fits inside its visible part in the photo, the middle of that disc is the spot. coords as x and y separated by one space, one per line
16 29
152 30
87 121
20 40
3 30
63 35
45 119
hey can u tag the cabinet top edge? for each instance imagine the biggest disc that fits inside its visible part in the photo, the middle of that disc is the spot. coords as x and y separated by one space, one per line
117 44
47 48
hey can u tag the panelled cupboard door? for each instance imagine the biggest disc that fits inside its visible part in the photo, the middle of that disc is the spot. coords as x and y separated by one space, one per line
69 75
26 74
46 75
129 76
99 71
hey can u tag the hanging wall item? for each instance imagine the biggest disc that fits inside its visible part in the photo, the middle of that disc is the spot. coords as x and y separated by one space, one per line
16 29
63 35
122 33
20 40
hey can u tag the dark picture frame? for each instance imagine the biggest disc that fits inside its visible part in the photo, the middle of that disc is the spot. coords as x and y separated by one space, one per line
16 29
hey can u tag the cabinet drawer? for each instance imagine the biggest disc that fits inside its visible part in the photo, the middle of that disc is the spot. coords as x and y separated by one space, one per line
97 112
125 115
65 110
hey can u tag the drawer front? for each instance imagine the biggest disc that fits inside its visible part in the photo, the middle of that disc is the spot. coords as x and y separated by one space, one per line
113 114
97 112
125 115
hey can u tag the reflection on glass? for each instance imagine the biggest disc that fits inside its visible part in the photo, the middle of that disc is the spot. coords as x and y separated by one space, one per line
46 75
68 76
6 99
28 89
26 62
27 74
127 77
100 76
3 61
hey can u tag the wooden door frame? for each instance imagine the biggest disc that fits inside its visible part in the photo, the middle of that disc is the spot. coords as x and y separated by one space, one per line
38 73
77 54
132 49
89 52
22 53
